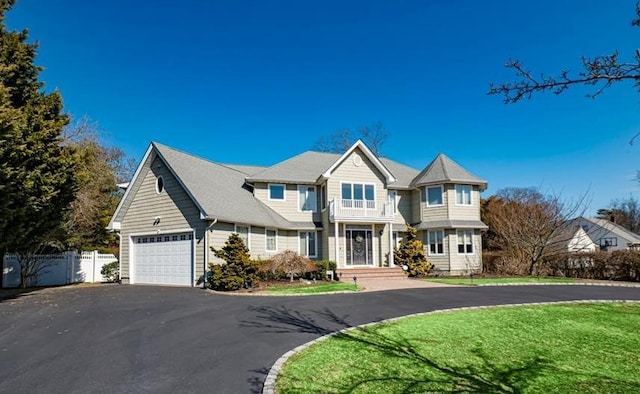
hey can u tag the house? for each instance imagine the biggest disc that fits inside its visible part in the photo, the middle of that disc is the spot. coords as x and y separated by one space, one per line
607 235
573 240
351 208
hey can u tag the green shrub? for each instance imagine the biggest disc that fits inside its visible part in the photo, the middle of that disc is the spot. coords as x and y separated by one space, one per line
322 266
111 271
237 271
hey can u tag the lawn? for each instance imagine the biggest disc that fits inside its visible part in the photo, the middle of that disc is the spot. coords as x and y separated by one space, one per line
489 281
320 287
568 348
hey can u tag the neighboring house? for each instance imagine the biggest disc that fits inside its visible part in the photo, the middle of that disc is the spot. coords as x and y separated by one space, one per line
350 208
607 235
573 240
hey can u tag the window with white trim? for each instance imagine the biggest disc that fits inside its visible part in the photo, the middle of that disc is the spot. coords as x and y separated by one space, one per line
243 232
435 241
358 195
393 200
308 244
463 195
435 196
307 198
271 240
465 241
323 196
276 192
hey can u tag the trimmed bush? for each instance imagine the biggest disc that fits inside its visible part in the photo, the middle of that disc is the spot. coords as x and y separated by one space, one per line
290 263
111 271
322 266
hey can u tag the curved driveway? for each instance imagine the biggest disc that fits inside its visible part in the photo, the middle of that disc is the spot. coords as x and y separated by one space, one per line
136 339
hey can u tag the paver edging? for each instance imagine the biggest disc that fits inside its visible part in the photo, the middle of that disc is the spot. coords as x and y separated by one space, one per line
269 386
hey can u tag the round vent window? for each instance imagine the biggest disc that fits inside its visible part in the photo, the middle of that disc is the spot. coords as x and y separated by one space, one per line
159 185
357 160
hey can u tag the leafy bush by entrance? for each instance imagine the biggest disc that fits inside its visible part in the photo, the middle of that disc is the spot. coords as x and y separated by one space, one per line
411 255
290 263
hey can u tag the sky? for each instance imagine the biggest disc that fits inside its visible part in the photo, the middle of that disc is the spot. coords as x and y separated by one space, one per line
256 82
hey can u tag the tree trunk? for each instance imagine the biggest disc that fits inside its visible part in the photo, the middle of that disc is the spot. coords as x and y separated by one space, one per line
2 253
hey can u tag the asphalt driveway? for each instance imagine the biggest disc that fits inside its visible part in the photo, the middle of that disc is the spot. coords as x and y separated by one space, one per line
139 339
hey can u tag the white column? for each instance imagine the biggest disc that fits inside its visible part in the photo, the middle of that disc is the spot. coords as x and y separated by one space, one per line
391 245
336 240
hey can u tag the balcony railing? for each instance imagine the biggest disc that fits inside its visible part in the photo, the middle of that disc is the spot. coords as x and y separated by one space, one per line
341 209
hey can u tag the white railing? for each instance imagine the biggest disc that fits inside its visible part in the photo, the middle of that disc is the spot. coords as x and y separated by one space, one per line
353 209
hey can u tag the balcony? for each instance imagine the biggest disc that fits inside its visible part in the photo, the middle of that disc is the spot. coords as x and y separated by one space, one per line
360 210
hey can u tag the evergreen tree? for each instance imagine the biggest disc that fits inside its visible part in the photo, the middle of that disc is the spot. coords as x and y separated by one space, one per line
412 255
37 181
237 271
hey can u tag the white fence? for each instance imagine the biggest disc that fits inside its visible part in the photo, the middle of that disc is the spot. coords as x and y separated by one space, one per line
59 269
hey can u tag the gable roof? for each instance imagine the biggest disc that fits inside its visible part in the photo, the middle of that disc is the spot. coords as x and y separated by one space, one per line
367 152
606 225
444 170
217 190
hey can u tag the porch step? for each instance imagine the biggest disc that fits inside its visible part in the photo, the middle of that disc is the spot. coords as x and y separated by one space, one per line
378 272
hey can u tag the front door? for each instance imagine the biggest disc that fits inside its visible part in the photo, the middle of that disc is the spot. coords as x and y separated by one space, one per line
359 247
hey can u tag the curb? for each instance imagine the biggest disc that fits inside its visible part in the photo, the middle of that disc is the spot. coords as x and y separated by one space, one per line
606 284
269 386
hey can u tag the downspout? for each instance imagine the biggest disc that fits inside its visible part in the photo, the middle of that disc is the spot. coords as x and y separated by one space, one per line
206 252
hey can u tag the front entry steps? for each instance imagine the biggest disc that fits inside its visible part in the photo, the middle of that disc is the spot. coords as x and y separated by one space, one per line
347 274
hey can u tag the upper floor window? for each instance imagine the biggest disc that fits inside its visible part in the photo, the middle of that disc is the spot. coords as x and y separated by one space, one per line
276 192
434 196
393 200
465 241
463 195
243 232
307 198
354 195
435 240
308 246
271 240
323 196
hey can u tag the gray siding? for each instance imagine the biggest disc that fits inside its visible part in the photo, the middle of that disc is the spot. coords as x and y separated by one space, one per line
175 208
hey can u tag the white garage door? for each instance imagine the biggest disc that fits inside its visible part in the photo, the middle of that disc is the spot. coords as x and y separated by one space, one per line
163 259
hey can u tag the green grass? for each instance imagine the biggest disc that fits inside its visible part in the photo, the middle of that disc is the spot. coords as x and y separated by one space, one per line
312 288
571 348
486 281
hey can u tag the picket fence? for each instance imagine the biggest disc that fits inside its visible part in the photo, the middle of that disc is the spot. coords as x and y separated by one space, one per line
60 269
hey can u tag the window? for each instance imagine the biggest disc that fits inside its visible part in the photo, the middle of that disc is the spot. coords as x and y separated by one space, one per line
307 198
243 232
159 184
434 196
465 241
308 246
608 241
435 240
396 239
276 192
354 195
271 240
393 199
463 195
323 196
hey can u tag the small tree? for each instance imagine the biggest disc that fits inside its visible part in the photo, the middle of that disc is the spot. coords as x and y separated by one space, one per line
237 271
291 263
412 255
31 267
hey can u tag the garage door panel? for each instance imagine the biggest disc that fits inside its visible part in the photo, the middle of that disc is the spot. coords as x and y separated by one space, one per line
166 260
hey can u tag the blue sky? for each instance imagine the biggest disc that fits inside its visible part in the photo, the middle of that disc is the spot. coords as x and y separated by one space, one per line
256 82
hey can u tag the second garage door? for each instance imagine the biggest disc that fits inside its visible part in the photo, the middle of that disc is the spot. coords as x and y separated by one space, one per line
163 259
